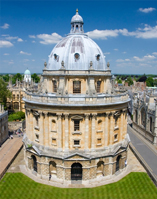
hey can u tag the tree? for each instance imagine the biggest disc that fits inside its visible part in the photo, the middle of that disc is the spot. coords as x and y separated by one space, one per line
35 77
119 81
4 92
150 82
142 79
129 80
15 77
6 78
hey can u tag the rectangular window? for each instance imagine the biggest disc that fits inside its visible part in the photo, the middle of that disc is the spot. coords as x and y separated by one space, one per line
98 86
54 141
13 97
76 87
54 86
76 142
115 137
76 125
17 97
37 137
99 141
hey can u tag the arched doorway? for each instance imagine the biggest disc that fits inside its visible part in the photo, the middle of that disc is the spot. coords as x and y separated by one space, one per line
52 168
34 163
118 163
76 171
100 168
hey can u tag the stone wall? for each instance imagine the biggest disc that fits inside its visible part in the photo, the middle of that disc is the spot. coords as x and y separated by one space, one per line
147 134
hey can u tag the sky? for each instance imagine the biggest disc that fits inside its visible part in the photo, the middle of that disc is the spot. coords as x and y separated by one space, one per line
126 32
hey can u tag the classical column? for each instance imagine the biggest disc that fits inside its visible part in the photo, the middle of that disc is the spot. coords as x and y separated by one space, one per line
46 129
111 128
106 130
31 127
59 131
93 130
122 127
66 138
86 131
41 129
27 123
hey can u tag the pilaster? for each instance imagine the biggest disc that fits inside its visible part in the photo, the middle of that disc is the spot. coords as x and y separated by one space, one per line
93 130
66 138
86 130
59 115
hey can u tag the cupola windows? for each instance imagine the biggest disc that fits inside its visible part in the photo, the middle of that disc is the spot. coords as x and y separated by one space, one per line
98 86
98 57
77 56
76 86
56 57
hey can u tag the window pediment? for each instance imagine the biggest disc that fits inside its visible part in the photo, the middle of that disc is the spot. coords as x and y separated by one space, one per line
77 117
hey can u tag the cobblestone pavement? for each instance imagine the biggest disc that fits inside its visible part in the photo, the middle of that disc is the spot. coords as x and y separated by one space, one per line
8 151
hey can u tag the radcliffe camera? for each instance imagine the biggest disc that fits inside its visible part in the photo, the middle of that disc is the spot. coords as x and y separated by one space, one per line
78 108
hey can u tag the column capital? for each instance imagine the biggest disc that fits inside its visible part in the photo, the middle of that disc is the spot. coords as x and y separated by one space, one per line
94 115
87 115
45 113
66 115
59 115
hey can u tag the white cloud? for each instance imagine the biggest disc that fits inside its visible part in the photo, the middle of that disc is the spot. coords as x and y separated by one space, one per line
33 59
119 60
107 53
33 41
24 53
145 58
6 54
124 52
11 38
49 39
26 60
154 53
32 36
127 59
116 49
146 10
102 34
20 40
11 62
5 26
5 44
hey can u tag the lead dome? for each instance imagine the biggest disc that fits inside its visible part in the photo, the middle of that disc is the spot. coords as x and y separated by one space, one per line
76 50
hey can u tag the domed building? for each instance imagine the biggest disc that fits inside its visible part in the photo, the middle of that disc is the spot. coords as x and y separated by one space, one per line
76 124
27 76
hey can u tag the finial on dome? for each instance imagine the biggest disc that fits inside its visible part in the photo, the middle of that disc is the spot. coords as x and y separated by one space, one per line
77 11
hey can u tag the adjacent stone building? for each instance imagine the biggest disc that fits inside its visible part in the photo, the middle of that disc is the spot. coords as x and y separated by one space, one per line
3 124
145 114
76 124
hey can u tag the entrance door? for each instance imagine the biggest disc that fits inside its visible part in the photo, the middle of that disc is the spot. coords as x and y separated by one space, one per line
34 163
76 171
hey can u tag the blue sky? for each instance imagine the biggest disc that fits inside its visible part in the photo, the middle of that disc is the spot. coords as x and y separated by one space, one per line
126 31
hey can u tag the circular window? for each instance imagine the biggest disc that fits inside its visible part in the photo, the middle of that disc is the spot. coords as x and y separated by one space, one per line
77 55
98 57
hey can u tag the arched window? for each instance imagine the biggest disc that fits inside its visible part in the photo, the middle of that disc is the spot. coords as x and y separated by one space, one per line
52 168
76 171
100 125
151 123
98 87
76 86
143 117
100 168
118 163
16 105
54 127
54 83
34 163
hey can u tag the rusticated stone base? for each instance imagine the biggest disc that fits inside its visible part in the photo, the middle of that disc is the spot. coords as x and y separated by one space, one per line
61 168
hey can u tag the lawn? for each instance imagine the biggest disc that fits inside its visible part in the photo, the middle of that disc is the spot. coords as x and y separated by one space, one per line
133 186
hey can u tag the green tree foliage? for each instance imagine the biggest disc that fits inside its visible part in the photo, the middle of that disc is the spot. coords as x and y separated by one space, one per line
150 82
35 77
119 81
16 116
130 81
6 78
17 76
4 92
